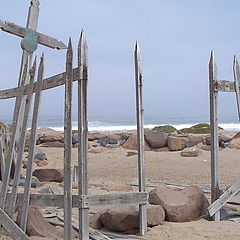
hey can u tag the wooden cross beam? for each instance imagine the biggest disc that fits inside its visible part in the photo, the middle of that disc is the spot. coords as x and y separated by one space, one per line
27 33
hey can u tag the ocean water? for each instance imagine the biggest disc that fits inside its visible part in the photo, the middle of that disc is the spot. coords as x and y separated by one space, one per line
129 123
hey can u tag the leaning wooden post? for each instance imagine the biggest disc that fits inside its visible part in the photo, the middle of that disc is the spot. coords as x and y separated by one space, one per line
32 144
214 133
9 158
68 145
82 136
21 143
236 73
140 134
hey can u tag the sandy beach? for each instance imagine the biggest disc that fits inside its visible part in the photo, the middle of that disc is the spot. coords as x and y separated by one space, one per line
114 168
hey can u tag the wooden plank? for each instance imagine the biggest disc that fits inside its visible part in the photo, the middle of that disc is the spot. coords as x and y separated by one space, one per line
68 145
236 73
26 196
21 145
224 86
140 137
9 158
21 32
48 83
114 199
224 198
11 227
50 200
82 136
214 134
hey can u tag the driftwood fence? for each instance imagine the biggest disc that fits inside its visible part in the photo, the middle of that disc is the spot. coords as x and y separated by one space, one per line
217 197
11 160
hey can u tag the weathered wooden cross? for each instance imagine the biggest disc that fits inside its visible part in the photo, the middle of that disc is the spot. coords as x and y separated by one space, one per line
23 93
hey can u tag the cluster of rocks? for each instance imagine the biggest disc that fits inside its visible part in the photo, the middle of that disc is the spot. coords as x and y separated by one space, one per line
190 144
165 204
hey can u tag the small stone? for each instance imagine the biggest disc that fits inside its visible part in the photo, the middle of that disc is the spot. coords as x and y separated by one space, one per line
129 154
191 152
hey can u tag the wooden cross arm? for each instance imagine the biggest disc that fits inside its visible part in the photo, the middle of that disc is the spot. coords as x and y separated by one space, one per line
21 32
51 82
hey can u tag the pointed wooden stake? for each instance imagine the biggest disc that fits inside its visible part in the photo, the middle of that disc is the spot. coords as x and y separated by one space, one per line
236 73
214 133
140 134
82 135
68 145
26 195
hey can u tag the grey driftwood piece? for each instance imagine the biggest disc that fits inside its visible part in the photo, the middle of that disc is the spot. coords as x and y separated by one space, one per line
21 143
68 145
82 136
26 195
224 198
214 134
140 137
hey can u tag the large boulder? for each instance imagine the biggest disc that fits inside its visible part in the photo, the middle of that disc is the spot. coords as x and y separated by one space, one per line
131 143
156 139
177 143
37 225
49 175
180 205
95 221
96 136
235 143
127 218
197 138
191 152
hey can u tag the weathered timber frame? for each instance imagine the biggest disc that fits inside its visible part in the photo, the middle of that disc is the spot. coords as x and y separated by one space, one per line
23 94
218 199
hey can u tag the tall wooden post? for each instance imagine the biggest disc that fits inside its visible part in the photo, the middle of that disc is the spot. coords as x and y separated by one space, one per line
140 134
68 146
214 133
236 73
82 136
37 100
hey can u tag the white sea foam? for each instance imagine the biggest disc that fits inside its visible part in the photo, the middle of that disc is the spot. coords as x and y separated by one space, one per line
101 127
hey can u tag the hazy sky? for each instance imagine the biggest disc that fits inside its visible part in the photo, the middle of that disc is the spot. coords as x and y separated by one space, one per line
175 38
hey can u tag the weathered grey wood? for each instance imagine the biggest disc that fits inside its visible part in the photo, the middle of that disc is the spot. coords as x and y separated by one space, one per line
82 136
68 145
87 200
224 198
9 158
48 83
26 196
140 137
11 227
21 32
11 206
236 73
2 157
93 234
214 134
114 199
224 86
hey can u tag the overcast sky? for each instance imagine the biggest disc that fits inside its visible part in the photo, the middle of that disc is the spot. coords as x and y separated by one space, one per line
175 38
